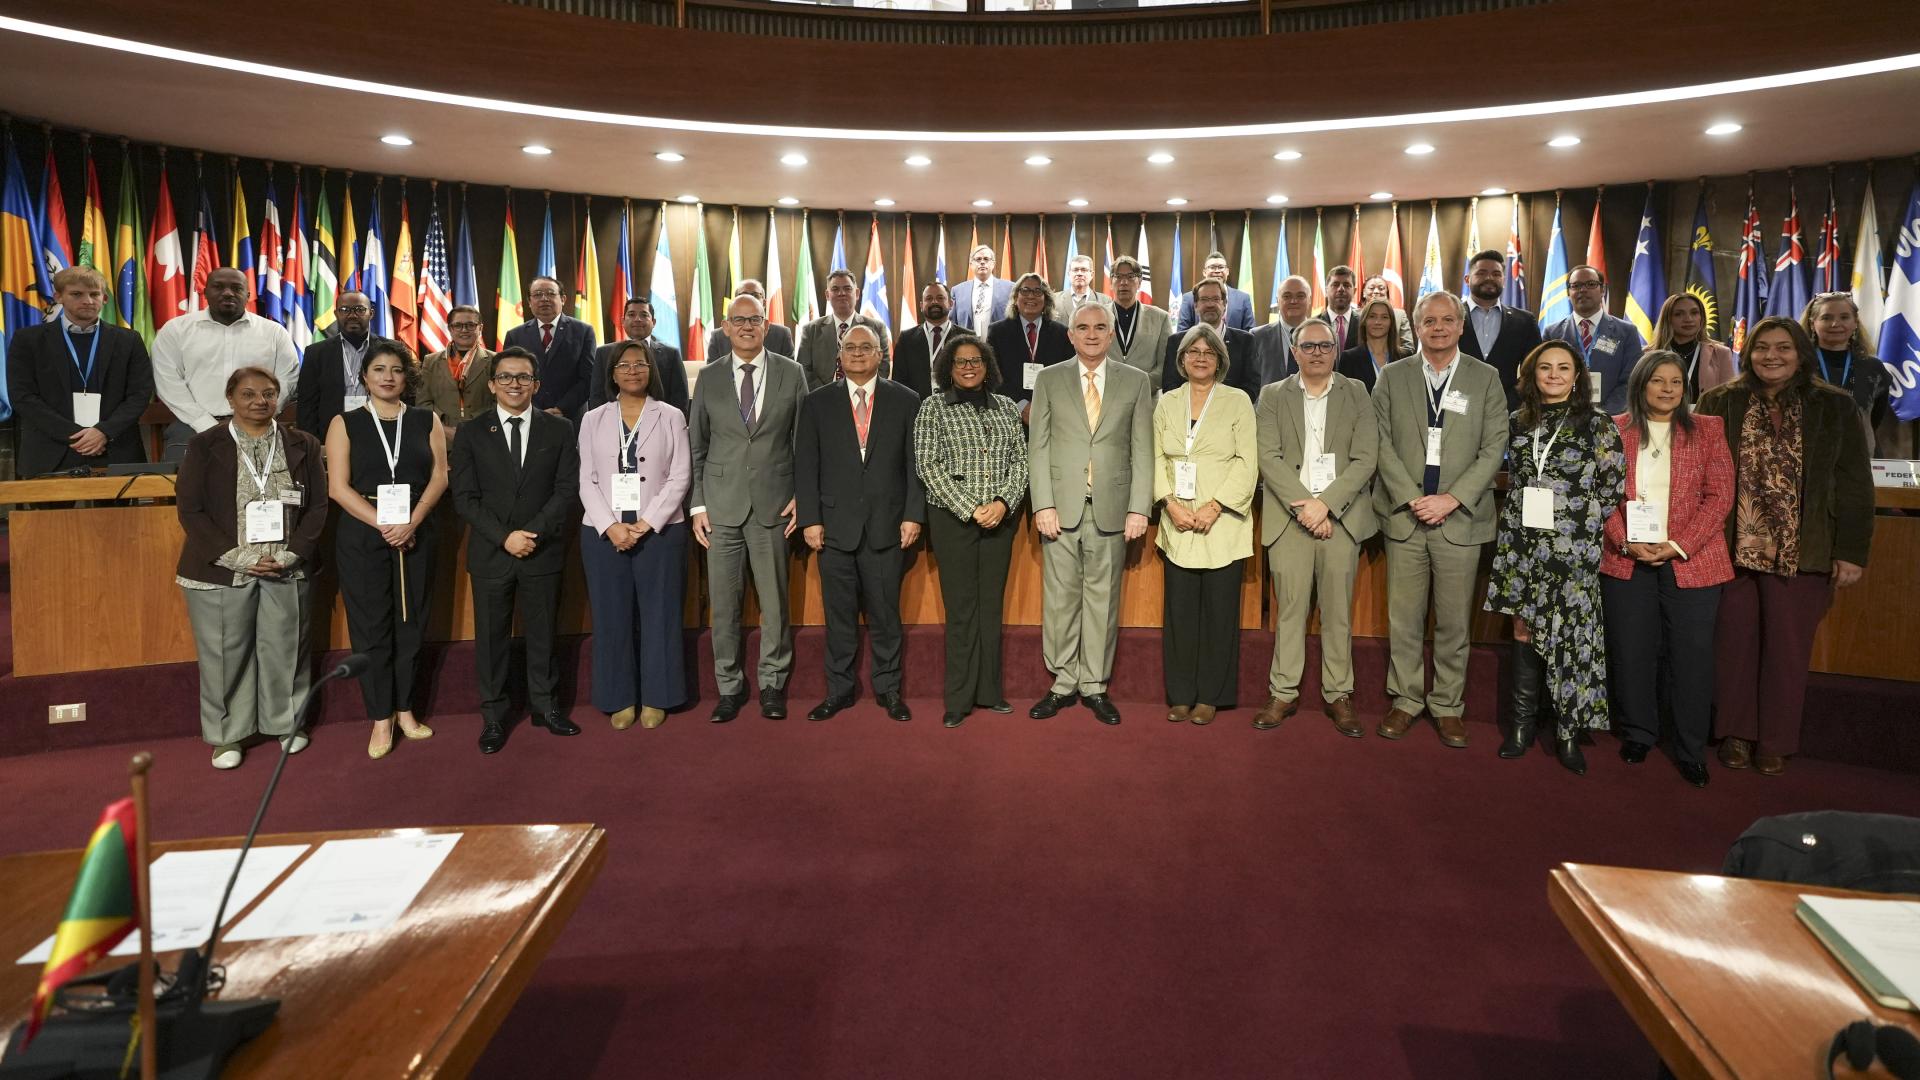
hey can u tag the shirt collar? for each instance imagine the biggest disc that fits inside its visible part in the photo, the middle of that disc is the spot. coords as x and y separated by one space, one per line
67 325
505 415
1099 370
1427 366
869 386
757 359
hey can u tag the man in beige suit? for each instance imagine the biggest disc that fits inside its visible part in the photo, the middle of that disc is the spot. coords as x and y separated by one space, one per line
453 381
819 344
1140 331
1443 433
1090 465
1318 440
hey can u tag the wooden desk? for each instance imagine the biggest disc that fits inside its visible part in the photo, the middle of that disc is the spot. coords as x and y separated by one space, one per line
419 999
1718 973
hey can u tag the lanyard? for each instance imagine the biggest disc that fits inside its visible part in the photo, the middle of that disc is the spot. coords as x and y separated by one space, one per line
93 350
1846 372
626 442
1123 328
260 476
1543 454
392 450
1193 428
1435 397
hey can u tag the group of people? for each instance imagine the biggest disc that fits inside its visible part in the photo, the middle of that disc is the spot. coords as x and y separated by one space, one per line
1673 527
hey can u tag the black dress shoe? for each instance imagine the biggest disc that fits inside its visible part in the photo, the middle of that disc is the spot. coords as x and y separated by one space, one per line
1051 705
826 710
1633 753
727 708
556 721
773 704
953 719
493 736
896 707
1102 707
1000 707
1694 772
1570 755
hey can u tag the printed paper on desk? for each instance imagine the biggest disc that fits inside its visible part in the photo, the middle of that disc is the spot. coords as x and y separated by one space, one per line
349 886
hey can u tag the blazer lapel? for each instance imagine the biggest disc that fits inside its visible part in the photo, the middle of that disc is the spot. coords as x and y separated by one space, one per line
1293 406
1336 411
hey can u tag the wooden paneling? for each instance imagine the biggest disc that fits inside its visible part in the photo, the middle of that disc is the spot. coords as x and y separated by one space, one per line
1874 627
93 589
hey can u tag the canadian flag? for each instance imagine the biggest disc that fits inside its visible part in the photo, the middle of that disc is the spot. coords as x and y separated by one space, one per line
166 270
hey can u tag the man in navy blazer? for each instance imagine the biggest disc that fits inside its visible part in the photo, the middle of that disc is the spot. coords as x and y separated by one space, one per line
981 293
1239 304
1342 284
562 346
779 338
1612 345
1500 335
636 324
51 364
330 369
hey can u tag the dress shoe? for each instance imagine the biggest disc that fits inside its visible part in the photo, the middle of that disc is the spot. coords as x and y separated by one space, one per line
556 721
227 756
1051 705
624 719
1694 772
377 746
953 719
1453 730
1102 708
726 708
1395 724
1769 765
1202 715
1000 707
295 742
1570 755
1344 722
651 717
1274 713
493 736
895 705
1633 753
826 710
411 728
773 703
1736 753
1179 713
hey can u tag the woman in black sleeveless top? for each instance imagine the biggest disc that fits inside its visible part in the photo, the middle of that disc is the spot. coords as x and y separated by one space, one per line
386 455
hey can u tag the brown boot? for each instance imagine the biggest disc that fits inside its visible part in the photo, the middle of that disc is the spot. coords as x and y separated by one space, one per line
1453 730
1736 753
1395 724
1769 765
1344 722
1274 713
1202 715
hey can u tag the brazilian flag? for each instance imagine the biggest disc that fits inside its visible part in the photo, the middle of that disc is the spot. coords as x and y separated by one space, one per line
102 910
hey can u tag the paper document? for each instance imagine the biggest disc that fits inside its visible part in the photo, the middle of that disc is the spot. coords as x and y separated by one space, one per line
1885 933
349 885
186 891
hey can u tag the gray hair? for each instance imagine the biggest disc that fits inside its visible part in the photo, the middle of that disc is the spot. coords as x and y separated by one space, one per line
1420 305
1201 333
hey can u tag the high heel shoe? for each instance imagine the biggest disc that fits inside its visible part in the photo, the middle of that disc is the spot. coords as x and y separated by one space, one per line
375 748
417 731
1570 755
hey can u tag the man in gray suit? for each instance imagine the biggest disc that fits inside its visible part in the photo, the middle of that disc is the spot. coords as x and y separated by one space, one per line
819 354
1443 434
1090 469
982 299
1273 342
779 338
1079 290
1318 441
1140 331
746 410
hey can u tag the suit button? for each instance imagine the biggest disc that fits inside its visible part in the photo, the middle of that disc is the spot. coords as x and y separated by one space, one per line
643 479
643 459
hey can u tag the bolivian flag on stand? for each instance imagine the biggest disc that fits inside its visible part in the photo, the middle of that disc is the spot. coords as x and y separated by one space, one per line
102 910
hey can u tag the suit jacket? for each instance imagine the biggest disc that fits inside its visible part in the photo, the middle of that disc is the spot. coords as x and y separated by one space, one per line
996 307
1009 340
1223 453
1352 319
1152 327
1472 448
666 361
741 474
913 357
1699 498
1121 450
665 461
1617 346
1063 304
1352 437
1714 366
497 497
1519 333
322 393
1243 373
1357 363
456 403
779 339
566 369
204 497
41 379
860 501
1239 311
819 354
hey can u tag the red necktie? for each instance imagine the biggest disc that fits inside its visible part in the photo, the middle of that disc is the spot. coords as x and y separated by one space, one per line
546 337
1340 328
862 417
1586 335
935 351
1032 340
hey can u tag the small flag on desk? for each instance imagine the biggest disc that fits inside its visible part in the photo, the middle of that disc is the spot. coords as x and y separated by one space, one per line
102 910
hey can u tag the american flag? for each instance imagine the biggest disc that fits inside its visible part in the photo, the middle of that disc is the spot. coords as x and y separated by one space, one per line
434 300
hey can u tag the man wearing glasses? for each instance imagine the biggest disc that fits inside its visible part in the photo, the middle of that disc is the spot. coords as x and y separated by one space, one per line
1029 339
562 346
779 338
1140 331
669 373
1612 345
330 369
1210 300
195 353
453 381
820 339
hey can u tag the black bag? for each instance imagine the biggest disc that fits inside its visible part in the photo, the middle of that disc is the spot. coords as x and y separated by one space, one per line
1869 852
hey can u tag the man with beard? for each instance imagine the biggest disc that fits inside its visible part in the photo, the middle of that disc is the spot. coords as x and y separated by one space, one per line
913 357
1500 335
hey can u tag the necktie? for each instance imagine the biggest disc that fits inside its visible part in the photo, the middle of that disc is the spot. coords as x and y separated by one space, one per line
837 373
1032 341
1340 332
746 394
1586 335
546 337
862 417
935 349
843 332
1092 399
982 293
513 440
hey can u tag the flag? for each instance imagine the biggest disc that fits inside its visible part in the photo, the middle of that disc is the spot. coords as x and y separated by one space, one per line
735 274
206 251
1826 264
1356 257
1430 269
1107 267
805 300
776 291
839 260
466 280
1473 246
1900 332
52 230
373 271
909 291
268 259
1391 269
1647 279
873 288
1174 286
1750 294
1073 251
403 296
296 301
19 265
548 266
1787 293
940 253
586 285
1040 250
1596 248
1868 275
1554 303
702 315
102 909
96 242
507 310
1701 281
129 249
1515 294
349 248
1245 282
326 264
166 267
1146 263
240 248
1282 269
1317 299
666 302
622 273
1006 245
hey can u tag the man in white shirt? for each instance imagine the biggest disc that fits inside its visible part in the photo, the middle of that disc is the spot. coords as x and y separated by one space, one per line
982 299
194 353
1079 289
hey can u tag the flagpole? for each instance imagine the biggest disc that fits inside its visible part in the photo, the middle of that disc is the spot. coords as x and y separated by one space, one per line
148 1030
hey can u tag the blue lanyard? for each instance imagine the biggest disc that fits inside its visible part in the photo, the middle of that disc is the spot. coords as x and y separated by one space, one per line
1845 372
93 350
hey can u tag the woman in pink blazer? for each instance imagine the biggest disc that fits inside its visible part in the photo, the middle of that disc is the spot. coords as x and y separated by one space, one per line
634 475
1682 329
1663 562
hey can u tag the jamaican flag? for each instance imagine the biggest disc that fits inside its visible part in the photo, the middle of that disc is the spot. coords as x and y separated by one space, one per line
101 911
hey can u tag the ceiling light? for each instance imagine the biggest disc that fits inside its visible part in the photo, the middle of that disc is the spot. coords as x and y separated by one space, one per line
1161 158
669 156
689 198
1076 202
1562 142
788 200
1276 200
1287 155
1420 149
883 202
919 161
1039 159
1381 196
1176 201
983 203
1727 128
396 140
1492 191
793 159
536 150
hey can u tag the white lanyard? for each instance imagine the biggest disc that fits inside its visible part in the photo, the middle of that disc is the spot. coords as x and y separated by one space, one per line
1194 427
260 476
626 441
1541 455
392 450
1435 397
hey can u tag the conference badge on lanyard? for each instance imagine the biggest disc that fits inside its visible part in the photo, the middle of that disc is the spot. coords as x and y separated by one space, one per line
1536 500
393 503
266 518
626 485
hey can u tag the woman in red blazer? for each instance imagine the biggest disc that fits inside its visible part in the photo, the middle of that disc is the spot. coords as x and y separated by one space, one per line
1663 562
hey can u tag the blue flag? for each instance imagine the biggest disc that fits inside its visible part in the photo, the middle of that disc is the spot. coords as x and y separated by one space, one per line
1788 294
1701 283
547 267
1900 333
1647 281
466 288
839 245
1282 267
1515 293
660 288
1750 293
1554 303
19 264
1175 290
373 272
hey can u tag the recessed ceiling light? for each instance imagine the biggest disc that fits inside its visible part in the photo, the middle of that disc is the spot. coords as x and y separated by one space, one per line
1561 142
689 198
919 161
1492 191
1039 159
788 200
1276 200
396 140
1287 155
536 150
1076 202
1381 196
883 202
1420 149
669 156
1727 128
983 203
793 159
1161 158
1176 201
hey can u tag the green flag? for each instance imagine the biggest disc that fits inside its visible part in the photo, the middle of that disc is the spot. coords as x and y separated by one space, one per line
804 310
134 308
507 310
700 314
325 264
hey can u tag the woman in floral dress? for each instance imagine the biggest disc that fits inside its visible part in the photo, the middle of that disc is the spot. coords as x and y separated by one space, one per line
1566 473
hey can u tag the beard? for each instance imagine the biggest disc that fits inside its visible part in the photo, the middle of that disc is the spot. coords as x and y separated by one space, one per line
1488 290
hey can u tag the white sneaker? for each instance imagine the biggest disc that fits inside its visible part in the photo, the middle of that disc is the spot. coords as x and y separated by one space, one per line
295 742
226 757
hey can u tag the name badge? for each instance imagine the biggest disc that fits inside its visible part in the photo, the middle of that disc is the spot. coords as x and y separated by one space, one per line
1536 508
1646 523
393 504
351 401
1320 472
1606 346
1186 480
266 521
1433 446
1030 372
293 496
1593 386
1454 402
626 493
86 409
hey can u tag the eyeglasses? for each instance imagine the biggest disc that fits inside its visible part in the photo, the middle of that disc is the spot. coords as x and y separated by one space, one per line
463 326
745 320
1315 346
357 309
516 378
632 365
1201 352
969 361
1583 286
860 349
1030 291
545 294
1117 278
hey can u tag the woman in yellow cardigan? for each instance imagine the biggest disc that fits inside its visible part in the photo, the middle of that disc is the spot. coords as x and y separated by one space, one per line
1204 477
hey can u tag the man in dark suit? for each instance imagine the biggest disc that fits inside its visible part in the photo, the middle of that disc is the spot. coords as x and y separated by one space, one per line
1239 311
982 299
1500 335
636 324
562 347
779 338
516 478
1273 342
1030 340
78 386
330 369
819 354
860 507
919 344
1340 313
1210 306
